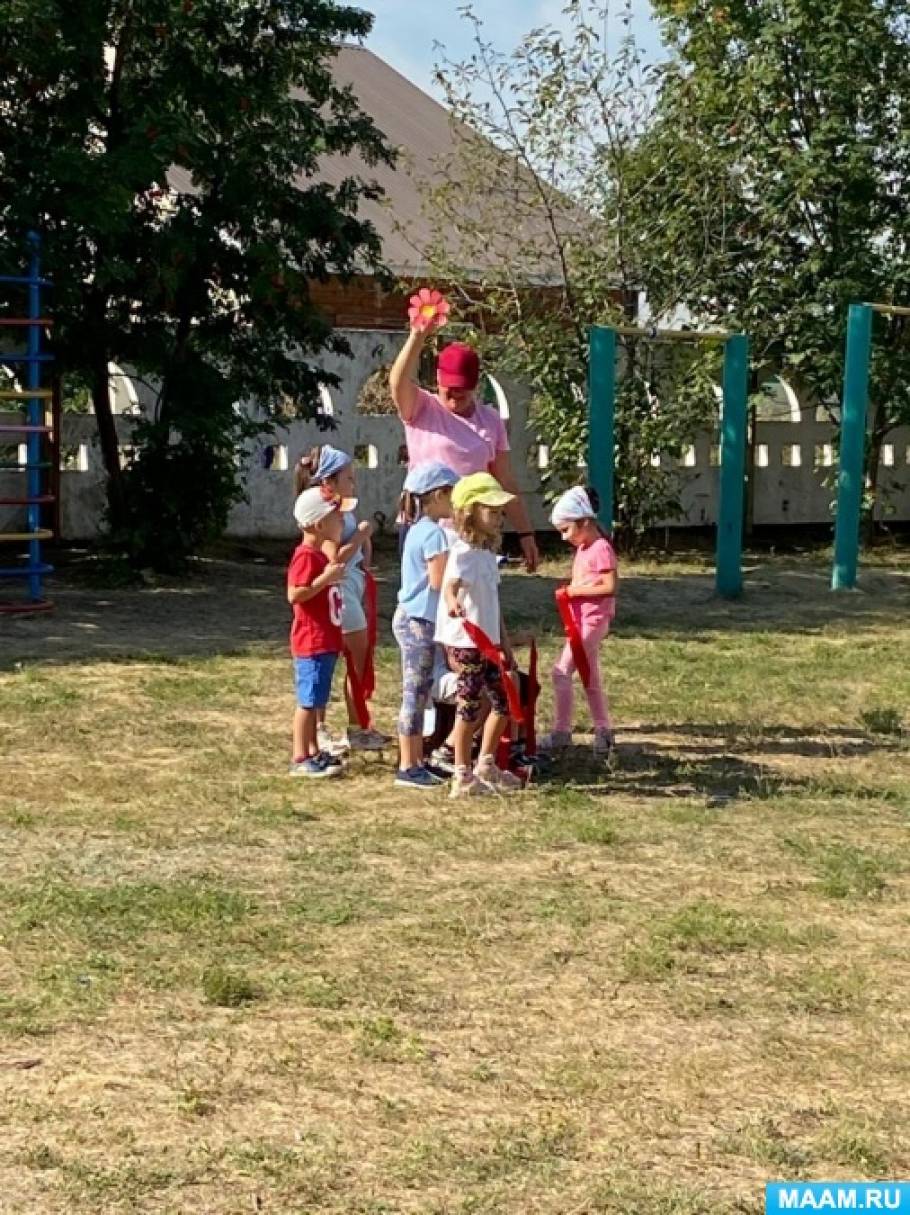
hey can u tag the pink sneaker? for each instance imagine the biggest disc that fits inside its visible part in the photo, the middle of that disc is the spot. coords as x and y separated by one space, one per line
469 786
496 778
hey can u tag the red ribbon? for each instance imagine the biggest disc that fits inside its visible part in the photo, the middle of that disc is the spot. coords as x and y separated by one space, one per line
504 749
493 654
362 689
372 613
530 747
358 695
573 636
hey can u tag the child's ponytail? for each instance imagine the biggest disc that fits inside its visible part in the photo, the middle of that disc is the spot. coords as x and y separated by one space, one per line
594 498
305 469
409 506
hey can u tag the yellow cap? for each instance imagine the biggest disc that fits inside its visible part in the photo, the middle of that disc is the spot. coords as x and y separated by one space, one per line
479 487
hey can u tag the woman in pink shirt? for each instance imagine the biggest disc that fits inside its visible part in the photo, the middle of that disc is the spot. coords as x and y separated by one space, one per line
456 428
590 604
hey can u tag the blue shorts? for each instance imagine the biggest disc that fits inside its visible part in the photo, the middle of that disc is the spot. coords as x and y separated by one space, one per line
313 680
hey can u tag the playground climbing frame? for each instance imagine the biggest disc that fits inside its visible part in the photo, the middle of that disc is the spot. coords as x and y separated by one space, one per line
33 431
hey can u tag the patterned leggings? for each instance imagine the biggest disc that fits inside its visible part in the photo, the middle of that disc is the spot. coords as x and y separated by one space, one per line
476 675
418 653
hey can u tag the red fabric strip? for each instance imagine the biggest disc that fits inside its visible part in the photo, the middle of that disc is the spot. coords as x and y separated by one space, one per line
573 636
530 747
493 654
372 614
503 750
358 696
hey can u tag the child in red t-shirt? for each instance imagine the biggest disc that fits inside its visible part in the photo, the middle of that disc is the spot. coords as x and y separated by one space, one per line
316 639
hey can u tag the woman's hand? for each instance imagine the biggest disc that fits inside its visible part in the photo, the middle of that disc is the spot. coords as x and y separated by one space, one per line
530 553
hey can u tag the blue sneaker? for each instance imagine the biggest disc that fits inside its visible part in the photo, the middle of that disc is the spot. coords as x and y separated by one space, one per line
314 768
416 778
328 760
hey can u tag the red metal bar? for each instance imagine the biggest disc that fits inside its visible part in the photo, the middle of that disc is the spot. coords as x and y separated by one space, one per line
41 320
25 430
39 501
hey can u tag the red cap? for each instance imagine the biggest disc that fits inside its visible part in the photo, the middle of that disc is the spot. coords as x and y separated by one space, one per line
458 366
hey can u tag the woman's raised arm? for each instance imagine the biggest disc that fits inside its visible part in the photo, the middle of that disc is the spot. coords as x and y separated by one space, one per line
403 376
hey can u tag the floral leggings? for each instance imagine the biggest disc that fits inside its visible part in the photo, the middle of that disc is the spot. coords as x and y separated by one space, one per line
476 675
418 656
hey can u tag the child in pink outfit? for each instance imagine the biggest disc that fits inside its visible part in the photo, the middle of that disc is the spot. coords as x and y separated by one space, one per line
591 602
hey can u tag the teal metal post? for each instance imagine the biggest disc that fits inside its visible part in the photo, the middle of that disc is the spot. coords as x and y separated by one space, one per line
729 569
601 407
852 446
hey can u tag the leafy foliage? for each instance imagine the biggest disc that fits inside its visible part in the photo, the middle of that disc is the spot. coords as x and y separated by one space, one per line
778 155
166 151
555 247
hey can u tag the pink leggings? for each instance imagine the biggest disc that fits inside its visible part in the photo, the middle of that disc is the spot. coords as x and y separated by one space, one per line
592 636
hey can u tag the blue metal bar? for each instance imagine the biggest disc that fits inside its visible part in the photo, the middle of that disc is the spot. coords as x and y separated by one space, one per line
25 571
25 282
35 412
852 447
729 572
601 410
26 358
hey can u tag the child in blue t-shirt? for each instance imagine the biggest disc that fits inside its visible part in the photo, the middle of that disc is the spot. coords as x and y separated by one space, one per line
428 499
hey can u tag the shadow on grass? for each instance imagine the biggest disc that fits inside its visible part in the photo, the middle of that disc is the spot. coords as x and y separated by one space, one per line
230 606
717 763
651 771
821 742
682 605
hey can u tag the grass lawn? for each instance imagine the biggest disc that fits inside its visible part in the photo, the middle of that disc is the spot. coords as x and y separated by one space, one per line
645 991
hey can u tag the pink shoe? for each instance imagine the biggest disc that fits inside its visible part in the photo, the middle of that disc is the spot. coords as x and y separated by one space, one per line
496 778
469 786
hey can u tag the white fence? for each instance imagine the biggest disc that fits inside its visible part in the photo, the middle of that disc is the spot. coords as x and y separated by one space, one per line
792 467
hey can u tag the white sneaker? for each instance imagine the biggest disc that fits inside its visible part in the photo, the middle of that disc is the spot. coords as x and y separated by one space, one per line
468 785
368 740
333 744
503 782
556 740
603 743
443 758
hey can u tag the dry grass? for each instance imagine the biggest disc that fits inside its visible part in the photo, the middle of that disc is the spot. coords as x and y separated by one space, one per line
644 991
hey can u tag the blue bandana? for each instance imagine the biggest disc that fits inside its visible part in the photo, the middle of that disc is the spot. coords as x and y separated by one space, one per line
331 461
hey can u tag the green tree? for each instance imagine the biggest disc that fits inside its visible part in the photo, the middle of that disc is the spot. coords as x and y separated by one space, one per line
541 228
166 151
779 156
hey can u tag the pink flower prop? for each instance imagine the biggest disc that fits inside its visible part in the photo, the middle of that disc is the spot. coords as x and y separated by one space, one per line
428 309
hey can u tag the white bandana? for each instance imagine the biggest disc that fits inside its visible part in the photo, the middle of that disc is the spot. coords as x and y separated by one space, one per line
574 504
